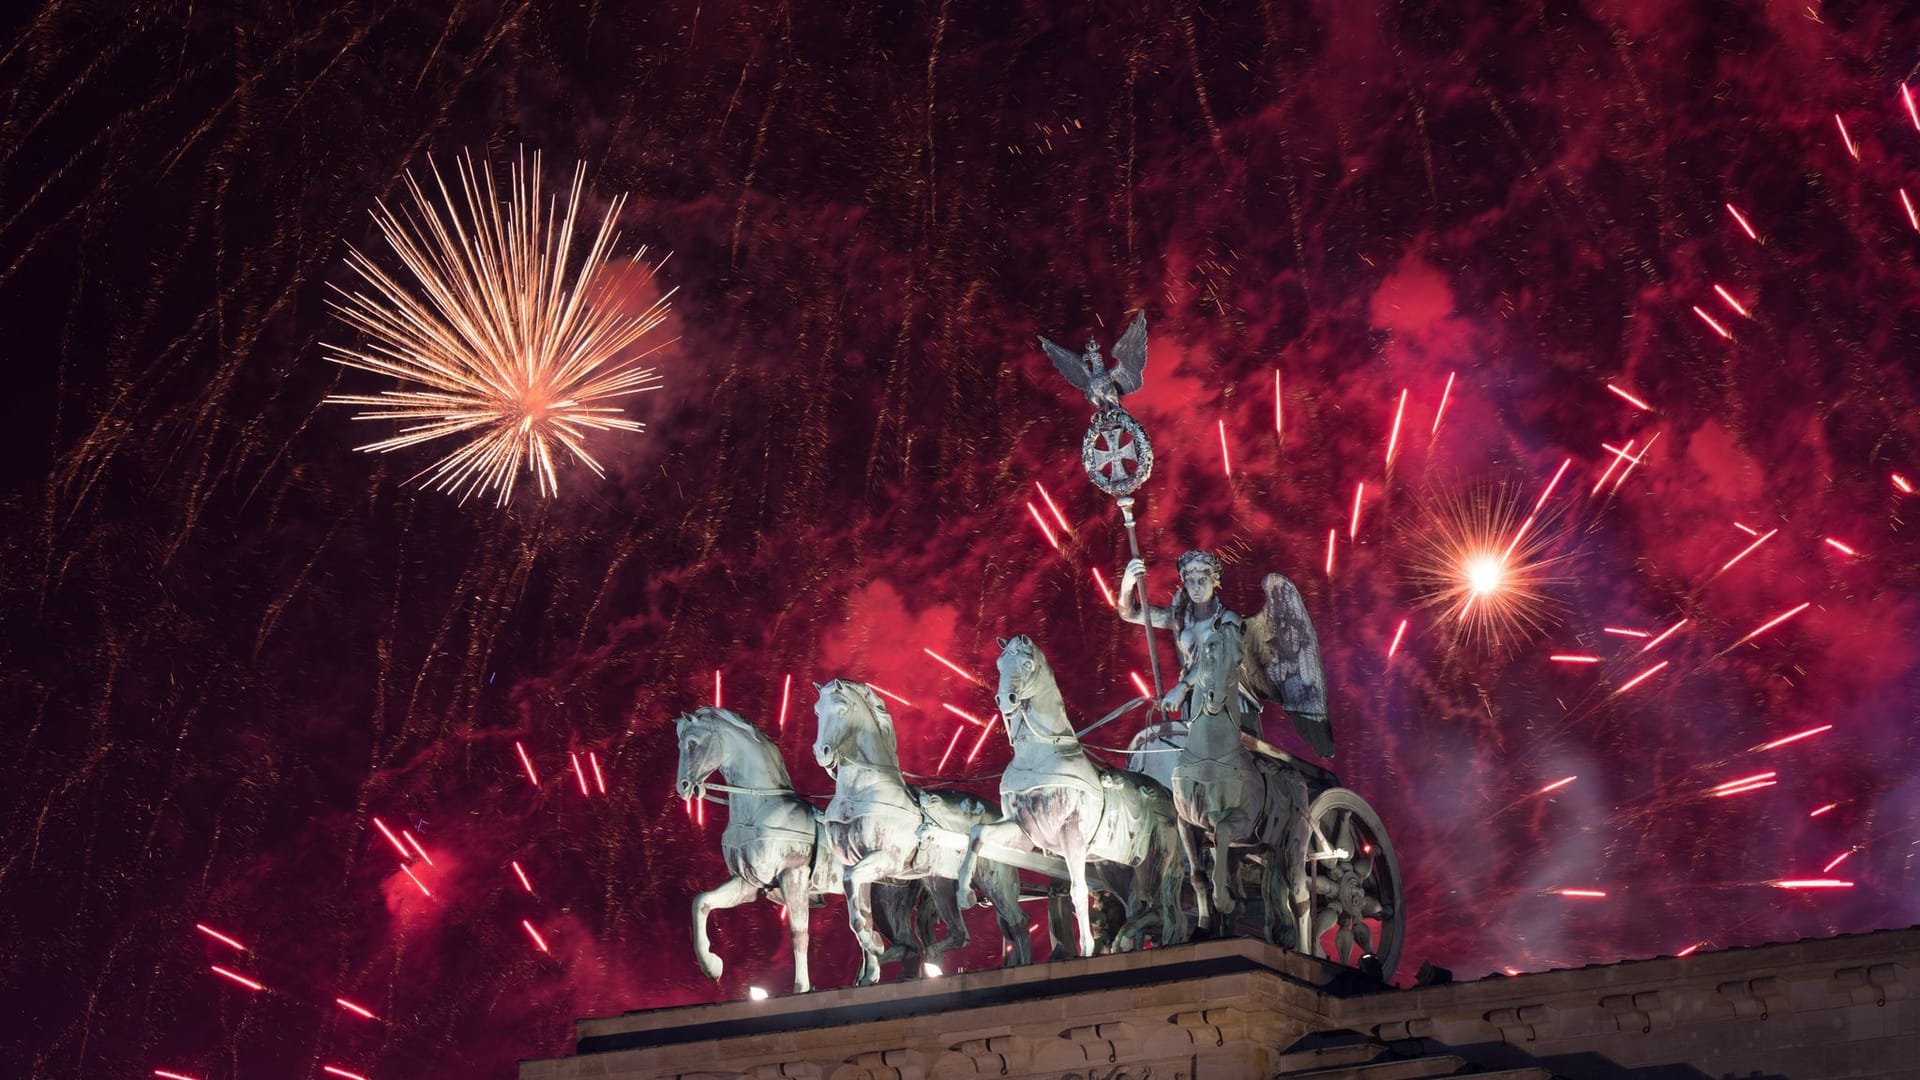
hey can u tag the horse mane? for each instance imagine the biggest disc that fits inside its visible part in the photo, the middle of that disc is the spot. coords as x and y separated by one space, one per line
754 736
883 719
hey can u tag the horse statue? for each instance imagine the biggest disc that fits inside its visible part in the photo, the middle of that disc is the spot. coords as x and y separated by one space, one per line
774 843
1228 796
878 828
1068 805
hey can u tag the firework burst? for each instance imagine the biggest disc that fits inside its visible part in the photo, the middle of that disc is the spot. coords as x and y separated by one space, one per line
1488 565
494 339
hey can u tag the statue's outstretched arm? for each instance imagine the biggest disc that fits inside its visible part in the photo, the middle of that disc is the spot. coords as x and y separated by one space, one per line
1128 601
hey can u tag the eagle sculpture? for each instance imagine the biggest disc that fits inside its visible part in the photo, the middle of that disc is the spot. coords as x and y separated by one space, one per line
1088 372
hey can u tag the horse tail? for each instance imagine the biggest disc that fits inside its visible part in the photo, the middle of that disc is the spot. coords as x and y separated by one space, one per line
1174 929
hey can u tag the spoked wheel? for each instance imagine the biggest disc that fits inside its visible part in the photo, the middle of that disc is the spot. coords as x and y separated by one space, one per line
1355 908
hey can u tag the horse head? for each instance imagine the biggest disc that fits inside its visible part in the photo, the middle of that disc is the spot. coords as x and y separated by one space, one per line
1216 670
702 748
845 715
1019 662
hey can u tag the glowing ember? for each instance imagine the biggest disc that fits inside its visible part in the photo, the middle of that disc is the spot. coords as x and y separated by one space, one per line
600 781
888 694
579 773
522 875
218 936
1557 784
964 714
538 941
1745 551
955 668
1811 883
532 777
1902 483
342 1073
1393 440
1795 737
1731 302
1140 684
1822 809
1398 633
352 1008
1846 139
235 976
1054 508
1359 493
716 689
392 839
423 889
1640 678
1445 393
1570 658
1771 623
1838 546
415 844
1581 894
1690 950
1630 399
1741 220
1333 536
1664 635
1106 591
1034 511
1712 322
1837 860
786 698
1226 461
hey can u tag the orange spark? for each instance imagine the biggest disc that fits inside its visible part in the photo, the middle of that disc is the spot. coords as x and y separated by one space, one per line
1710 321
524 760
1044 531
1393 440
1569 658
1823 809
1557 784
1852 150
1640 678
1901 483
1795 737
218 936
1838 546
1359 492
535 935
351 1007
956 668
1745 551
1051 505
1394 647
1226 462
1741 220
1689 950
1773 622
1664 635
1630 399
1837 860
1731 302
1584 894
236 977
522 875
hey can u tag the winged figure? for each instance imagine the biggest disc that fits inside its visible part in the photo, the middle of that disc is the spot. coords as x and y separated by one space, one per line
1281 662
1089 373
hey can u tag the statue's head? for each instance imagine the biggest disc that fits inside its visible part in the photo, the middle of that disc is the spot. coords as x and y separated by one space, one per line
1200 575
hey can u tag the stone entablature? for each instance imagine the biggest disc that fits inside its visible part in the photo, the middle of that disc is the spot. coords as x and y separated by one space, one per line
1838 1007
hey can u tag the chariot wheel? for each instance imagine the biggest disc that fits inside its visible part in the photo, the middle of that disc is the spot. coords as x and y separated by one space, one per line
1356 914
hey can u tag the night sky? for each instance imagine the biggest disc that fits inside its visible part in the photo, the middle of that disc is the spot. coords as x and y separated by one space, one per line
229 642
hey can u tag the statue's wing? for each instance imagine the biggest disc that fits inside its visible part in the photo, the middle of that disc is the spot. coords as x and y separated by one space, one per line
1280 661
1130 356
1070 364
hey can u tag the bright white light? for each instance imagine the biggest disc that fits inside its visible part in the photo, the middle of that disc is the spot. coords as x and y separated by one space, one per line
1483 574
754 993
932 970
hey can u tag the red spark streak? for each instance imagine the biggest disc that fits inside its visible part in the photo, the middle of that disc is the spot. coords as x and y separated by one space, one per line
342 1073
351 1007
1057 516
1640 678
1744 780
579 773
1394 647
1518 534
1741 219
786 695
1569 658
535 935
1393 440
1630 399
1795 737
1837 860
416 846
392 839
1664 635
237 977
1906 95
1756 786
1359 492
1105 590
1728 565
1773 622
1901 483
1442 410
522 875
1635 461
1823 809
1745 529
716 688
979 743
1811 883
218 936
1226 462
1332 536
1585 894
1279 417
1912 218
1551 484
1852 150
951 744
416 881
1689 950
1709 320
1044 531
964 715
1620 454
1731 302
1557 784
528 762
889 694
165 1075
600 781
957 669
1624 632
1140 684
1838 546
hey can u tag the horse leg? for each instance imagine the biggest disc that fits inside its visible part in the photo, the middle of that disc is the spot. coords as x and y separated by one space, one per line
796 886
1005 833
1223 902
945 900
858 880
1190 841
730 894
1074 849
1002 886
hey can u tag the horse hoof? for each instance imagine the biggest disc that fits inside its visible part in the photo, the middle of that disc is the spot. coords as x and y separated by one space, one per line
711 967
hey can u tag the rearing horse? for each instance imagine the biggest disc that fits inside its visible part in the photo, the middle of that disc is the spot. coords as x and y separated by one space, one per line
1068 805
774 842
875 825
1229 797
